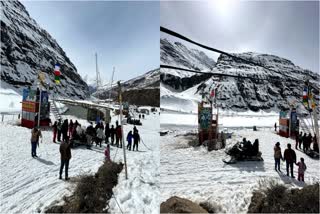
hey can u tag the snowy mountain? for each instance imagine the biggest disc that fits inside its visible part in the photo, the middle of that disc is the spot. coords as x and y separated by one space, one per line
282 85
141 90
26 49
177 54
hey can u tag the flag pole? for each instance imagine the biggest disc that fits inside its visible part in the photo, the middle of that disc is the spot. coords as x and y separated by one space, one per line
39 112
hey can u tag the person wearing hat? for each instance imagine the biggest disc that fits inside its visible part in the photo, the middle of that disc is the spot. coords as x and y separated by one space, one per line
277 156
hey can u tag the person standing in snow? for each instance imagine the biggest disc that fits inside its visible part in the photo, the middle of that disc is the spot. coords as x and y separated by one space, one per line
275 127
55 129
119 136
107 153
65 154
301 169
70 129
100 136
112 134
35 135
304 141
90 131
59 127
309 141
300 141
290 158
136 139
107 132
129 139
277 156
64 130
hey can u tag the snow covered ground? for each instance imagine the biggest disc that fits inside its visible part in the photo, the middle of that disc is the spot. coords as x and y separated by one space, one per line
29 185
201 176
10 101
141 192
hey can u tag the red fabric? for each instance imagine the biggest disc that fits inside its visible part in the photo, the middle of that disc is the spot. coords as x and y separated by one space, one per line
57 73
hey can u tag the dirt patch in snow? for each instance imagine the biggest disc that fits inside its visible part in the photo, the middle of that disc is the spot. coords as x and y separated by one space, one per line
180 205
92 192
278 198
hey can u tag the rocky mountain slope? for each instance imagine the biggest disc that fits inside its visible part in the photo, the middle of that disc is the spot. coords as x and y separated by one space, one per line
268 90
26 49
177 54
141 90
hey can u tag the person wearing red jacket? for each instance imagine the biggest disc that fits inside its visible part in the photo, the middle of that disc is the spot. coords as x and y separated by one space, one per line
290 158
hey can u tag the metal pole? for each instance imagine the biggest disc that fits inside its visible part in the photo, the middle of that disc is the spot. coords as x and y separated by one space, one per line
122 139
39 107
111 84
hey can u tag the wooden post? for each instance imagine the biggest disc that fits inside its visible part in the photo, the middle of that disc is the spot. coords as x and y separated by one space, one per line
122 139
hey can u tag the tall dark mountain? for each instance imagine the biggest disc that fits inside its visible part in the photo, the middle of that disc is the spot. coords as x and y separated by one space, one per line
26 49
141 90
283 87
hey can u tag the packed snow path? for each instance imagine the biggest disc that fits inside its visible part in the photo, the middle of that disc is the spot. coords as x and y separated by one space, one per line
201 176
29 185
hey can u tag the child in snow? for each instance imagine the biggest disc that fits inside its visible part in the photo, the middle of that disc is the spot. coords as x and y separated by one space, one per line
107 153
301 169
129 139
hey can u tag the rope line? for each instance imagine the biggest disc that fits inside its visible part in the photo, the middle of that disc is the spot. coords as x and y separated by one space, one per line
175 34
117 202
145 144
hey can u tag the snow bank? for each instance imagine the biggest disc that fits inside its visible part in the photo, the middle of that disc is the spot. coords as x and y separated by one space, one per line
10 101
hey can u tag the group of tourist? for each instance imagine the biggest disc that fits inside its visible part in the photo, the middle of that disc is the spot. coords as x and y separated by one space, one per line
289 156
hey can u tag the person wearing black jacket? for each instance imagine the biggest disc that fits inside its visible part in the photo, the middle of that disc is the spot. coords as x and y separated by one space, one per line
64 130
290 158
65 153
112 134
136 139
90 132
107 132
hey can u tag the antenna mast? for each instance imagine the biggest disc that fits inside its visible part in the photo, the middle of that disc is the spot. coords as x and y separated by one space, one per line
98 79
111 83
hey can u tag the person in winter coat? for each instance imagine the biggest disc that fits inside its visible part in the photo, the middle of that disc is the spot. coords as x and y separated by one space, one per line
59 126
107 132
64 130
70 129
300 140
107 153
65 154
277 156
304 142
90 132
301 169
275 127
100 136
55 130
309 141
129 139
35 135
290 158
136 139
112 134
119 136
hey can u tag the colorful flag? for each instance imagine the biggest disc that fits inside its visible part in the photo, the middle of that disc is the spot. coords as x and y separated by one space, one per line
305 96
57 73
212 93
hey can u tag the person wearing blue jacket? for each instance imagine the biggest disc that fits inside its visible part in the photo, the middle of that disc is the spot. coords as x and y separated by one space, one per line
129 139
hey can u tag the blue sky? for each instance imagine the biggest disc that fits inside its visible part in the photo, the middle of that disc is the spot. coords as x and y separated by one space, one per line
288 29
124 34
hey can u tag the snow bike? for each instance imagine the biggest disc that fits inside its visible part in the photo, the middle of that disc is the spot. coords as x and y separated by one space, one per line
239 153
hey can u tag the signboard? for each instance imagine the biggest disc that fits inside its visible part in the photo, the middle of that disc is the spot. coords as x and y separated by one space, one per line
205 117
29 106
29 95
283 114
